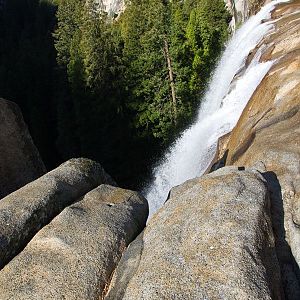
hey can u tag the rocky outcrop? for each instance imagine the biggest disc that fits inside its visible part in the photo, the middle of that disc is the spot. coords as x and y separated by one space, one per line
213 239
20 161
25 211
113 6
241 10
268 135
74 256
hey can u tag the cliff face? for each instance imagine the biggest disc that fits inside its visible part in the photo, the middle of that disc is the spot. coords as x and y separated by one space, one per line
194 247
241 10
114 6
268 133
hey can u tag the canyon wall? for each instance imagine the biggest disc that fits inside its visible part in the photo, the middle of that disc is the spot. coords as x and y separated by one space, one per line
241 10
268 133
113 6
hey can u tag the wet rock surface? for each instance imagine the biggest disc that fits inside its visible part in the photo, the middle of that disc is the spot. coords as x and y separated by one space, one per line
268 133
74 256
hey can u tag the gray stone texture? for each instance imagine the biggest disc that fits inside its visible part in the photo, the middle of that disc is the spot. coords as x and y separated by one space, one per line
20 161
28 209
74 256
213 239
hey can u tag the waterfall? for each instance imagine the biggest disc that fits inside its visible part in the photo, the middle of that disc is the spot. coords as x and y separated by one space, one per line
221 107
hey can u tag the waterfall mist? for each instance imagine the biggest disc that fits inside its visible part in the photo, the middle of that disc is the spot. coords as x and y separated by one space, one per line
221 107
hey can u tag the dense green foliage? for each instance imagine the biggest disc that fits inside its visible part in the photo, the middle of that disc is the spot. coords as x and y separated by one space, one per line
114 89
192 34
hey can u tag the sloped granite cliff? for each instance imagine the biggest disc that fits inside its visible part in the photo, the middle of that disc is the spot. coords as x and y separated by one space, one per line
113 6
241 10
268 132
267 137
188 245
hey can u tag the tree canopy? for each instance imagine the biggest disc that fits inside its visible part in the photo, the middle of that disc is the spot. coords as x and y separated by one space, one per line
117 89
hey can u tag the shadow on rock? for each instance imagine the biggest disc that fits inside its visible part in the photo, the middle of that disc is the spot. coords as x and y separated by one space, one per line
290 272
219 163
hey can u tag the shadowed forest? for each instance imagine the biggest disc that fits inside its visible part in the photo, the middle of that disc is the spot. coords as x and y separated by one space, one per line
114 88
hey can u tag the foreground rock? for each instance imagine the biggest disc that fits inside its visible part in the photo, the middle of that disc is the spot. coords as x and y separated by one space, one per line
74 256
20 161
25 211
213 239
268 133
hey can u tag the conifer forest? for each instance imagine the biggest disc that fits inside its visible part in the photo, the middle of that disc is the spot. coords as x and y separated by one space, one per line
114 88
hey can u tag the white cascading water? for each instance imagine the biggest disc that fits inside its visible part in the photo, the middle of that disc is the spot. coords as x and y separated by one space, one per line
223 103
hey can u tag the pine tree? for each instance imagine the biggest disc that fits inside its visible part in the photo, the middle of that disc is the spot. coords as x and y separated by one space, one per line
149 76
207 31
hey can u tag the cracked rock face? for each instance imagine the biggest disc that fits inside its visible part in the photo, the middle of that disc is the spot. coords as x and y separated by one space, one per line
241 10
213 239
269 132
74 256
